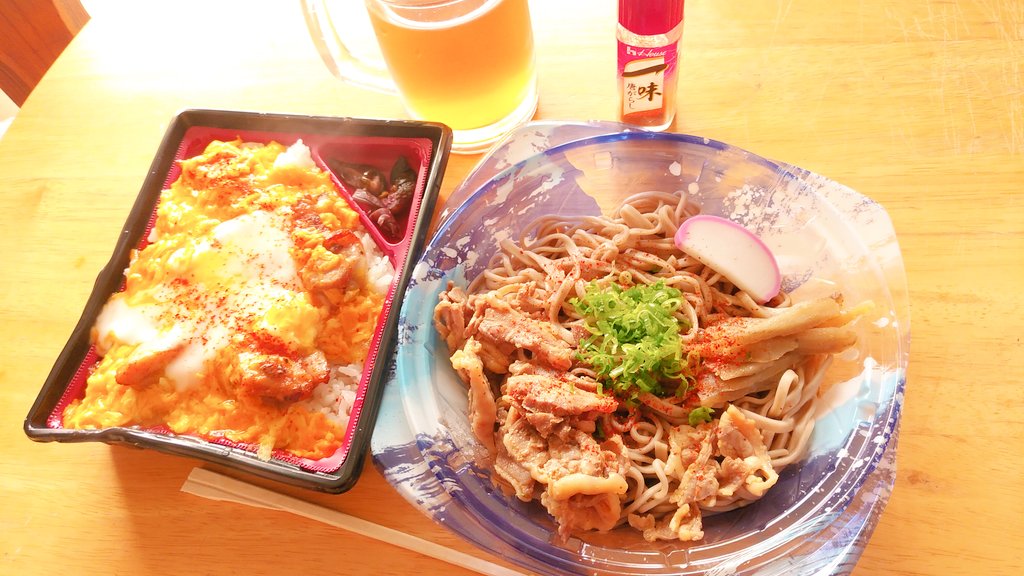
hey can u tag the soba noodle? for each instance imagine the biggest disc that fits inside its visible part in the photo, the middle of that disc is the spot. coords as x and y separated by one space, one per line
672 468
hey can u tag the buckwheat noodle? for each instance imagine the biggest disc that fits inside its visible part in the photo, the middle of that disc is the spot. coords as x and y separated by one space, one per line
635 245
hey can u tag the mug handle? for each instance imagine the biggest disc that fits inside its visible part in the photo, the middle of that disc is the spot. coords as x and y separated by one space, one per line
338 58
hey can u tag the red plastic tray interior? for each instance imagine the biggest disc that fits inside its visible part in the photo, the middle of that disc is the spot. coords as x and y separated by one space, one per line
380 152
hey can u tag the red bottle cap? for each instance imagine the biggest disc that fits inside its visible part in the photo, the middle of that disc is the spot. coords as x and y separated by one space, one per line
650 17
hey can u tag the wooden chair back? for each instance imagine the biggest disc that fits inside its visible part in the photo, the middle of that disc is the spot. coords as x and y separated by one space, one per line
33 33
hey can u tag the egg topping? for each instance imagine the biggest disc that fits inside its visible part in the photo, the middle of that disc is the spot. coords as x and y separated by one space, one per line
253 288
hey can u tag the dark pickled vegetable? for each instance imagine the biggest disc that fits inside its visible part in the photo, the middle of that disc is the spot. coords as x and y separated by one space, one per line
383 199
360 176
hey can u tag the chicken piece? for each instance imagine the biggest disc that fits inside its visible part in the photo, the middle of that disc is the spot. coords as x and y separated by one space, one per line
278 378
221 175
332 264
146 362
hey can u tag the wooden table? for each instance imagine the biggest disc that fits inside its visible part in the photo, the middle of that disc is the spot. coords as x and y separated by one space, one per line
919 105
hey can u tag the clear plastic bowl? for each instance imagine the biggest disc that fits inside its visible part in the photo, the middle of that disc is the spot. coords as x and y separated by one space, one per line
818 516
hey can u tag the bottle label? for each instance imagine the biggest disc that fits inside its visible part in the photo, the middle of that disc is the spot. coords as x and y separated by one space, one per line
642 72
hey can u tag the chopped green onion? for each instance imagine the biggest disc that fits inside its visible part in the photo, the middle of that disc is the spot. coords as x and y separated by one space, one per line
634 341
700 415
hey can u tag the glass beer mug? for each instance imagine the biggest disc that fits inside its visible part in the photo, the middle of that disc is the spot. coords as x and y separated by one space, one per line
466 63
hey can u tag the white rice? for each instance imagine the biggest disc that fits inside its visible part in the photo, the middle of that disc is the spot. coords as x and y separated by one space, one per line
336 397
379 270
297 155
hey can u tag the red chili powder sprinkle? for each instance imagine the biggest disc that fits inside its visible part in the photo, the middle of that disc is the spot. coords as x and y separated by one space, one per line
270 344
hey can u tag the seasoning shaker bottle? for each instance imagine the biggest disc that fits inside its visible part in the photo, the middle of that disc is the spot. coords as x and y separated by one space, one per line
648 36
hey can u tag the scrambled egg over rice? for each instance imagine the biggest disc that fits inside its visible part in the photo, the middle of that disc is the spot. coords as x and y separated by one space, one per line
257 284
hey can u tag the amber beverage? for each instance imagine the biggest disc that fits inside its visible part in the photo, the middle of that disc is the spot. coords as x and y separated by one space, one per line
466 63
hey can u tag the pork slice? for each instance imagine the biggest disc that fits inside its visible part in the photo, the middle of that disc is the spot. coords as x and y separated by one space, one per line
543 422
586 479
584 512
746 467
685 524
545 393
500 323
451 317
573 453
482 410
515 475
521 454
691 460
529 299
582 382
497 356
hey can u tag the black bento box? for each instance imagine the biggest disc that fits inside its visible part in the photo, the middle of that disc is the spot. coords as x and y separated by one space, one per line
425 147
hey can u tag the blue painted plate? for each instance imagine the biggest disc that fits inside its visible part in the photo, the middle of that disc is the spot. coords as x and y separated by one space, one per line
820 514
